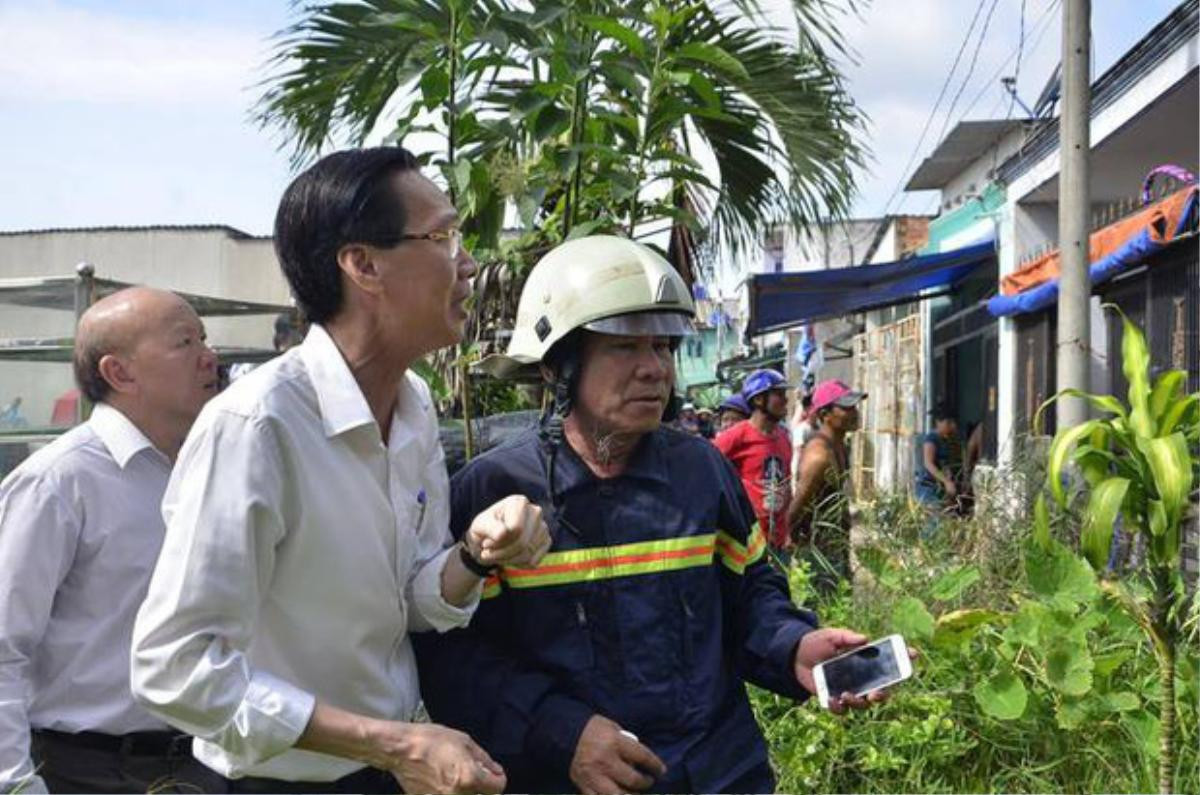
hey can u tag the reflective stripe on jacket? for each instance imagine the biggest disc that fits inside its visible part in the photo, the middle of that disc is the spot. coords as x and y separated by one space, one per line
654 607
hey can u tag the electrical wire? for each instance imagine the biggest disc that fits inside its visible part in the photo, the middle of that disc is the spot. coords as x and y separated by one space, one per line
1017 72
933 111
970 70
1037 32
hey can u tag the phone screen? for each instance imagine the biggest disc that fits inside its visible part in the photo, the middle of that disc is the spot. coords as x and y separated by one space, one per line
867 669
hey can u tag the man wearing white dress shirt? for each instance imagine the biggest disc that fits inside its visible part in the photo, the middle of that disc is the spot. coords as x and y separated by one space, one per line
80 530
307 518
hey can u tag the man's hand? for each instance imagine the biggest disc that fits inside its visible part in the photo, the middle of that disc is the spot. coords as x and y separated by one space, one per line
950 487
609 761
825 644
425 757
510 533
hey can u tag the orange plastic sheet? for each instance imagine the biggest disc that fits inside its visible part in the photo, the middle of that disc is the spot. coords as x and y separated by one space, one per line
1162 218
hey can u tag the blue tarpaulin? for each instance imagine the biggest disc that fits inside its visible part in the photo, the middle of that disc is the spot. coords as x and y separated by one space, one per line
1133 252
784 300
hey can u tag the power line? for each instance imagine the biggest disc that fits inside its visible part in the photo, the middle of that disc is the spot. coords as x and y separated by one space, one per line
1017 71
933 111
1038 31
970 70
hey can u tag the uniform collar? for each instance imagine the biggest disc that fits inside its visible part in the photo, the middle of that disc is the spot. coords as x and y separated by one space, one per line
648 462
341 401
123 439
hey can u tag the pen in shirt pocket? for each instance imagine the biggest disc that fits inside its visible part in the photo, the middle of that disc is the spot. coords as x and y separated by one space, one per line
422 501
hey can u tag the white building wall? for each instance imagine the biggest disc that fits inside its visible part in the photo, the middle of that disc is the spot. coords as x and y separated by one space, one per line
207 261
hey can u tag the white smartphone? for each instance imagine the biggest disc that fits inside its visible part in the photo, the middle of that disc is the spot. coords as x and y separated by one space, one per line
872 667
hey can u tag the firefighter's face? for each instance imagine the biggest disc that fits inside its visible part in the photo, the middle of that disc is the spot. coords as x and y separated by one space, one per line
625 382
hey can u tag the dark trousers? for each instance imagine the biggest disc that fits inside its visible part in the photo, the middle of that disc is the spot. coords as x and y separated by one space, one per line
368 780
158 762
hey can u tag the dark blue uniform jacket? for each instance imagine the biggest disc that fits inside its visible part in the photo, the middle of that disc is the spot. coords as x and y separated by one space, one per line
654 606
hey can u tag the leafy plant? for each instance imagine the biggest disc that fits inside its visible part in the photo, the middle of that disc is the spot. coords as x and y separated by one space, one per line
1136 466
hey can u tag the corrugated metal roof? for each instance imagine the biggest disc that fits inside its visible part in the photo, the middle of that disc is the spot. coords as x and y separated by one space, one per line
58 292
965 144
236 234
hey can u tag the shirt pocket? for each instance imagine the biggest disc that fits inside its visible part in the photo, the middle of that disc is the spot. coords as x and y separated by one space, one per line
557 629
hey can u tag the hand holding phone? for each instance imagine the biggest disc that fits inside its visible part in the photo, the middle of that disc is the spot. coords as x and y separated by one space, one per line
863 670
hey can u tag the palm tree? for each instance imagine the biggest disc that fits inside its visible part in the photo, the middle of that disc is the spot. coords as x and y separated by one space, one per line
587 109
580 116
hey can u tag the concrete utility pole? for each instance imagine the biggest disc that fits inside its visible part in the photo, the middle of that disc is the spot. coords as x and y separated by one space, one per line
1074 333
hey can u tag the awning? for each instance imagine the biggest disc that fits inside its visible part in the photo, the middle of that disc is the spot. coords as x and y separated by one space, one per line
782 300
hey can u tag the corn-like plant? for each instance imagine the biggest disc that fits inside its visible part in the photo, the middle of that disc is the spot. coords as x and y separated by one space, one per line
1136 464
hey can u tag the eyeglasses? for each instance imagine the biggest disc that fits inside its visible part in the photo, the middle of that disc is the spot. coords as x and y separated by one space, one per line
452 236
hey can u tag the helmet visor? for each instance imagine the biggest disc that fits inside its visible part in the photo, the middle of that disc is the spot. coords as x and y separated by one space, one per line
644 324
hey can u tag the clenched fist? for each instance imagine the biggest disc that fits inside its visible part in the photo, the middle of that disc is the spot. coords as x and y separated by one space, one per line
510 533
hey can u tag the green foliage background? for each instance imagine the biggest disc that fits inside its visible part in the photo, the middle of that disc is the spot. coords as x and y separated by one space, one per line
1030 679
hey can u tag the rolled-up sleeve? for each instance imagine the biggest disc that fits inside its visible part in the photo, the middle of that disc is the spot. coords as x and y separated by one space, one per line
224 511
38 537
429 609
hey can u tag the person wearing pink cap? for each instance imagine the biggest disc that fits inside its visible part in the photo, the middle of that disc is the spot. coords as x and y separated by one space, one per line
819 515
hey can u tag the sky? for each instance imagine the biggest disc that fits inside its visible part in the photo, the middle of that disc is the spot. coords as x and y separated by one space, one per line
138 112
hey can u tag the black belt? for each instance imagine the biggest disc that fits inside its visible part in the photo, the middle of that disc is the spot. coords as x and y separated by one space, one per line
155 743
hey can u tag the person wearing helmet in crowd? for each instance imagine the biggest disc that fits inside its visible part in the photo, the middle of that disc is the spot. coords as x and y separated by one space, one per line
819 515
704 421
619 663
733 410
688 422
761 452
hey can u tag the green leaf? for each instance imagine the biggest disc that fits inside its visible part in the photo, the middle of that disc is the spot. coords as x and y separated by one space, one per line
1135 361
1060 449
1171 466
1176 413
460 175
435 86
1105 664
1166 391
912 620
587 227
953 583
1106 403
1058 574
1003 696
1122 702
616 31
1041 522
1026 627
876 561
714 56
959 626
1145 730
1071 713
1095 537
1069 667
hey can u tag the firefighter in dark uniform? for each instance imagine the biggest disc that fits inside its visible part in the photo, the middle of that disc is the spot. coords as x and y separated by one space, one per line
620 662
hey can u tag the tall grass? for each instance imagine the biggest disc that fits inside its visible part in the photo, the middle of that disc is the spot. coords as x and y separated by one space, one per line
934 734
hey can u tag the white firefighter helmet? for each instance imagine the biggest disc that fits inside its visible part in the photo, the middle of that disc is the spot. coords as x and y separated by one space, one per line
601 283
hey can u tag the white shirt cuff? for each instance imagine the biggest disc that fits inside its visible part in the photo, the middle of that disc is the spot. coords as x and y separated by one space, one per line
272 716
432 609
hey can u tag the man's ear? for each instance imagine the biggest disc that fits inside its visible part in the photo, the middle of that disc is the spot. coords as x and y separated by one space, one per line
357 262
116 372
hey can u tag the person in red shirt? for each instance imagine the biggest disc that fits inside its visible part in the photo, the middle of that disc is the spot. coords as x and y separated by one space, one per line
761 452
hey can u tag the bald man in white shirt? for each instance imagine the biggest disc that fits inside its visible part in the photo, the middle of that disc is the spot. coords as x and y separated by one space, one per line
307 519
80 530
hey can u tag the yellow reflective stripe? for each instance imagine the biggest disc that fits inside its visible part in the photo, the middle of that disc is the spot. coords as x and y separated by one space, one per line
624 560
737 556
491 587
